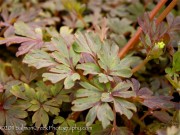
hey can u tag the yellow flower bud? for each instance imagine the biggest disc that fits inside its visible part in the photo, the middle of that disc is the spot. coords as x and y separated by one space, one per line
160 44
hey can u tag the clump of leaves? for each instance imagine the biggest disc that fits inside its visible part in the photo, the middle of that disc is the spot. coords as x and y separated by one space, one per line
69 76
41 100
33 38
12 114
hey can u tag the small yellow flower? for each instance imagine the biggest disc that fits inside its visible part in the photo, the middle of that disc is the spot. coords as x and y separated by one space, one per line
160 44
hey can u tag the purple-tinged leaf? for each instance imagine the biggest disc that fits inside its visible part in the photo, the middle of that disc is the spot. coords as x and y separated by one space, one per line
33 39
146 97
155 102
9 31
28 46
85 58
145 92
162 116
14 40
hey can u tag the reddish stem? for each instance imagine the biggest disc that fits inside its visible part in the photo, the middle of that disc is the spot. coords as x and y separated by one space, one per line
166 11
114 122
74 115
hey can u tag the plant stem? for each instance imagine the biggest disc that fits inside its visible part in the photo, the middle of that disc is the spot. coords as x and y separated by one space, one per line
145 115
82 20
138 121
135 39
166 11
74 115
135 69
114 122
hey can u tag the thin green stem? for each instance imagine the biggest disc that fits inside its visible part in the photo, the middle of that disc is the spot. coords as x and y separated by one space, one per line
82 20
145 115
138 121
142 64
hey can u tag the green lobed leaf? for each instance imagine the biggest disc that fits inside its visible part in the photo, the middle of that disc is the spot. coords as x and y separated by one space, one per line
18 92
40 118
176 61
87 93
87 42
61 72
61 46
52 109
73 5
126 72
8 103
91 116
120 26
23 104
89 86
122 86
39 59
34 107
17 113
67 59
89 68
29 92
110 62
123 107
64 53
51 106
2 120
105 114
70 80
106 97
84 103
14 122
104 78
23 29
122 90
41 96
58 119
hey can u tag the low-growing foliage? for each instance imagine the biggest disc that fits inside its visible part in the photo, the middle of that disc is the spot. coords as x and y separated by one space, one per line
63 69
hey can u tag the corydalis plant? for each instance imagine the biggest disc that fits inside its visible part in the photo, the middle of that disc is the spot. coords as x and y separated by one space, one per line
83 69
100 98
87 55
30 16
42 100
